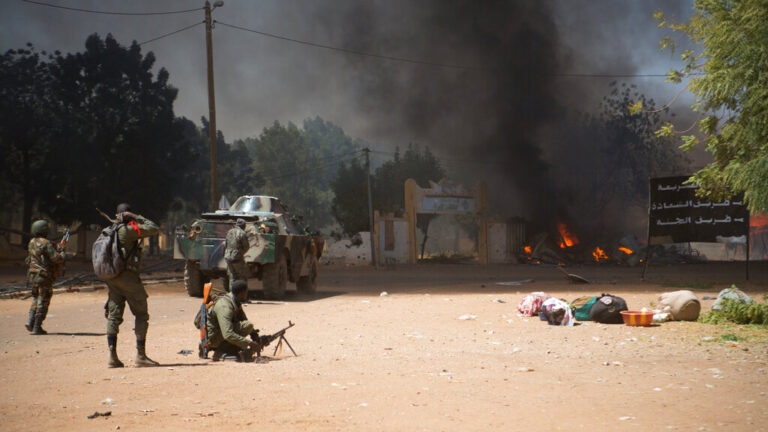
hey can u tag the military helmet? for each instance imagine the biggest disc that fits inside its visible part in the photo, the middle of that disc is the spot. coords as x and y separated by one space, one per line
240 222
40 228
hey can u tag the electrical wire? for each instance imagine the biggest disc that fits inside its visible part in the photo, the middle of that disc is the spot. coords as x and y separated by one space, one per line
172 33
328 47
311 170
111 13
451 160
420 62
349 51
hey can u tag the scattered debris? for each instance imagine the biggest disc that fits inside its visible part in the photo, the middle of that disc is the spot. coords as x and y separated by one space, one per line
498 301
625 418
108 401
573 278
468 317
525 369
185 352
100 414
515 283
383 294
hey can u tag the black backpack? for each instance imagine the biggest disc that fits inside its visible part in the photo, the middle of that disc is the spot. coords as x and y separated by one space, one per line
607 309
108 261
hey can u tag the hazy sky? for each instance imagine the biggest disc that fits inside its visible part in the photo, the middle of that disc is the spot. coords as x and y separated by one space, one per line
260 80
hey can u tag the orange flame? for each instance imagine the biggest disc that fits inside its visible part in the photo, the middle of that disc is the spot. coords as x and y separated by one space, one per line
758 223
599 254
527 250
627 251
568 239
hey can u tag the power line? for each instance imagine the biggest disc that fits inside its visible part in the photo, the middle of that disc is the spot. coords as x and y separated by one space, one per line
328 47
350 51
111 13
452 160
313 169
589 75
416 61
172 33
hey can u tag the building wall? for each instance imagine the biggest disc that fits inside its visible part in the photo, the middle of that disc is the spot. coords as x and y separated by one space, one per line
398 253
343 251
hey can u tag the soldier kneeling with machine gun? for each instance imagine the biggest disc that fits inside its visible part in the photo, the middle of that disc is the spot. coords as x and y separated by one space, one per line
227 327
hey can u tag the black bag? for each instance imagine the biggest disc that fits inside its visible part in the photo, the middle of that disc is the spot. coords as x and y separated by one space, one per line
108 261
607 309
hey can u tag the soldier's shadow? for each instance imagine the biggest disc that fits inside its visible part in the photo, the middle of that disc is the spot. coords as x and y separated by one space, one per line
182 364
291 296
75 334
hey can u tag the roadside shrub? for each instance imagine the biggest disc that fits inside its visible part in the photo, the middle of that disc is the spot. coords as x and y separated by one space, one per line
739 313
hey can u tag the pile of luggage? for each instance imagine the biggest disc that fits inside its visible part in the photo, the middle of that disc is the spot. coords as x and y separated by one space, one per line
606 308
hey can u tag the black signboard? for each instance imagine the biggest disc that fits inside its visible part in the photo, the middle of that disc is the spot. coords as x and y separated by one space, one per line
678 216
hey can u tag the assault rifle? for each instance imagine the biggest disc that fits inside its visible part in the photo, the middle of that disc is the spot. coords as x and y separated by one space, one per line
263 341
60 268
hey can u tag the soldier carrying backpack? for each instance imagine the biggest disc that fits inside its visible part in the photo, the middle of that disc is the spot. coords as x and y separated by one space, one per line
117 260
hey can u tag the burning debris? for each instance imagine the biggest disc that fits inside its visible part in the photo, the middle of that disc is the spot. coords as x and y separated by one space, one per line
567 248
567 239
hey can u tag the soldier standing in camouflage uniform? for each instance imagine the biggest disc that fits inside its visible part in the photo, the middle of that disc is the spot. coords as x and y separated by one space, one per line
227 325
234 254
127 286
41 259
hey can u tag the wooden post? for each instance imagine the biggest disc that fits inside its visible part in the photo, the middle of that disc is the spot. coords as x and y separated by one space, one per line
748 225
410 209
648 242
483 248
211 107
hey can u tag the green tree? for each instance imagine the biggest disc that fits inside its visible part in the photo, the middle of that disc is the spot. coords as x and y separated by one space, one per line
350 197
329 142
236 173
606 160
27 126
291 171
390 177
350 202
300 173
119 140
726 73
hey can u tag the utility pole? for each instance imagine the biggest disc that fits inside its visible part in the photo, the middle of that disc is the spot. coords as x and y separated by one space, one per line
211 102
370 204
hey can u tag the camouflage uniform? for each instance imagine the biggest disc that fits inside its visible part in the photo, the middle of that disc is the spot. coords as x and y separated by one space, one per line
227 325
234 254
127 285
41 259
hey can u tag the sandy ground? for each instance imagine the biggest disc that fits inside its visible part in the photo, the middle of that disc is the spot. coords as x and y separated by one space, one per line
404 361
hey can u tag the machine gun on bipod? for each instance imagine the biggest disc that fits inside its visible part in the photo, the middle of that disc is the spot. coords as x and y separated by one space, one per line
264 341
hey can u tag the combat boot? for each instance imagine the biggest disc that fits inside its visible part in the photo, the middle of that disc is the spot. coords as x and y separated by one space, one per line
217 355
141 356
114 362
245 356
38 327
31 321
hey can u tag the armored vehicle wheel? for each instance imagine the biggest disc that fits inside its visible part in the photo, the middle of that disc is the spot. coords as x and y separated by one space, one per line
308 284
275 278
193 279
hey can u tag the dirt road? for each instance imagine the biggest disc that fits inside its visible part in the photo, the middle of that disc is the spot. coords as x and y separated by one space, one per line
403 361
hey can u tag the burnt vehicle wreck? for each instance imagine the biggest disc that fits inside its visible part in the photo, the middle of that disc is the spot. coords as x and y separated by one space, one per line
282 249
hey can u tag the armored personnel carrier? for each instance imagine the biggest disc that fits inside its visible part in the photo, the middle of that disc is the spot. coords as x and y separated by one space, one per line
282 248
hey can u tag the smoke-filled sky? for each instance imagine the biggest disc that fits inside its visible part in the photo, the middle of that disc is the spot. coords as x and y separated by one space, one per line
259 79
514 58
